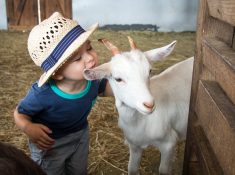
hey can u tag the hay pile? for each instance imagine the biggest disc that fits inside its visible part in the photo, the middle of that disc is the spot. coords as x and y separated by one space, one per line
108 153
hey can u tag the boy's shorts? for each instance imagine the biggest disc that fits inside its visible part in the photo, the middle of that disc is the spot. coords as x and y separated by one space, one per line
69 155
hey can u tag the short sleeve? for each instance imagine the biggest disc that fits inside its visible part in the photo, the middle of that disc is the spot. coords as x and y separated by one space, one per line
102 85
30 105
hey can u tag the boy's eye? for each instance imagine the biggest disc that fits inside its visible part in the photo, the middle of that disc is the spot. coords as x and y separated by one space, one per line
89 49
77 58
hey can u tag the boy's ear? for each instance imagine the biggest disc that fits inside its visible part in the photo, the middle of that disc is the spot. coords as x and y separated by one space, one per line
99 72
160 53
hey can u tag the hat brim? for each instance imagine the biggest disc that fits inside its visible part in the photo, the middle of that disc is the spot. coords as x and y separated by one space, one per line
75 45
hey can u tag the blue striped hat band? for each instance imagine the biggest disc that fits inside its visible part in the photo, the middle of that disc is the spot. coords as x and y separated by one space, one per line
61 47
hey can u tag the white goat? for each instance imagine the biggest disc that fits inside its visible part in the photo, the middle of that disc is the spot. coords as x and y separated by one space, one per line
152 111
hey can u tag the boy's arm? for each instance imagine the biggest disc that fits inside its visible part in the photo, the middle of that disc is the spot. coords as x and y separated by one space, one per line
38 133
21 120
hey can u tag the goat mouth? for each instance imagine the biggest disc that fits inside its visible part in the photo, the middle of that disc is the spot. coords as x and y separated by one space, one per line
145 112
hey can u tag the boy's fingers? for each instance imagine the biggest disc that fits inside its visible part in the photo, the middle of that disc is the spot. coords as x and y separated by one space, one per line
43 146
47 139
46 129
44 142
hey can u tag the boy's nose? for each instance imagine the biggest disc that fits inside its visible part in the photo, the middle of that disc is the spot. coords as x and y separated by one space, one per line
89 61
89 58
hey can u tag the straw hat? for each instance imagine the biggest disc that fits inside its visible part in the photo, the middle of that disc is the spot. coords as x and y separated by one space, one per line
53 41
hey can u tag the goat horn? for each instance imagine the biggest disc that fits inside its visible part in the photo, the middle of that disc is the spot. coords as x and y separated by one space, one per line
132 43
110 46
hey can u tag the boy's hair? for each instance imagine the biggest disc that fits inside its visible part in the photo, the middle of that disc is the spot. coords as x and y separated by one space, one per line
15 162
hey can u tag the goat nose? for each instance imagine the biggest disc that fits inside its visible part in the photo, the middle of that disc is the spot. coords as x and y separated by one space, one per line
149 105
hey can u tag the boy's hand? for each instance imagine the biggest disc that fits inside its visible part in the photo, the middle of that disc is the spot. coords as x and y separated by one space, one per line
38 133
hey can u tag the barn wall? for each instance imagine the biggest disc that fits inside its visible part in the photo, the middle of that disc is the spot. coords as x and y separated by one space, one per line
210 140
3 21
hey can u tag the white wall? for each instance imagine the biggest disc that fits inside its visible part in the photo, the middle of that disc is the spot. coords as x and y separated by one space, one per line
3 18
168 15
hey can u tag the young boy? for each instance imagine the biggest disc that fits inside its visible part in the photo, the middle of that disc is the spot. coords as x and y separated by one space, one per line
54 112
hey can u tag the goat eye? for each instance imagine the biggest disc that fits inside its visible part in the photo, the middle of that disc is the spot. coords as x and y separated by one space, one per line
150 71
118 79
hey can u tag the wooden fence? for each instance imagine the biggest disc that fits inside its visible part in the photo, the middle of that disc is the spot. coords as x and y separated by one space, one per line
210 145
23 14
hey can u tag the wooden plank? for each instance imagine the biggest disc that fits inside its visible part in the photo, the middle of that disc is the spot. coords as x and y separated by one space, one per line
207 26
202 159
191 163
222 10
207 159
233 45
9 7
202 15
219 29
216 115
194 169
50 6
208 108
201 22
19 10
21 14
12 12
66 5
206 74
219 59
28 15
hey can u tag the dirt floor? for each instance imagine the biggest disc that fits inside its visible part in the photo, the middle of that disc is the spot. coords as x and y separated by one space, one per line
108 153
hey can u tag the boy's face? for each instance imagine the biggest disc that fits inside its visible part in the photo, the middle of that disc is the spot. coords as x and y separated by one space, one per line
84 58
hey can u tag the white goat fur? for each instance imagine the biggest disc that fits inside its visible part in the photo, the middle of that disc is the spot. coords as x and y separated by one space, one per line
162 126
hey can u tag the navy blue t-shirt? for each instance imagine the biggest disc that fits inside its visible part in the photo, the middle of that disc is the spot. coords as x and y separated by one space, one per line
63 113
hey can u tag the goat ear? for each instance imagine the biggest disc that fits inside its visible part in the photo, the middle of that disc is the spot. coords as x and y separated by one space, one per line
160 53
99 72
